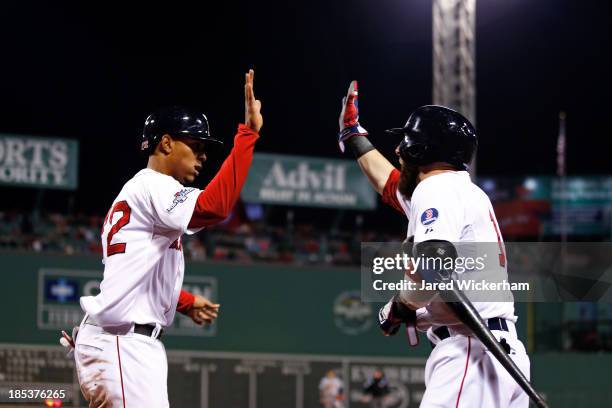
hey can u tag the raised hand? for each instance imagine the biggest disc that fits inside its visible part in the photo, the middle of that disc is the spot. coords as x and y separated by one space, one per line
252 106
349 117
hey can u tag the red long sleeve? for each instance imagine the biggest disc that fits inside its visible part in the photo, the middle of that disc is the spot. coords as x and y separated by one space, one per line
185 302
216 201
389 195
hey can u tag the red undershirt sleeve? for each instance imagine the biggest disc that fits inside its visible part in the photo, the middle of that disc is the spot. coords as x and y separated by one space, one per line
218 198
185 302
389 195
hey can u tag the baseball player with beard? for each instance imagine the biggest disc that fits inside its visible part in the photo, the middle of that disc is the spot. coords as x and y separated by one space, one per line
434 191
120 359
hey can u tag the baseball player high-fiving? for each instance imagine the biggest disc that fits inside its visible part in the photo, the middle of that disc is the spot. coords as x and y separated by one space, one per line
120 359
444 208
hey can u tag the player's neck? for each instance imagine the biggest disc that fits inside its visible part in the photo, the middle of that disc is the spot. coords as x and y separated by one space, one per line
434 169
159 165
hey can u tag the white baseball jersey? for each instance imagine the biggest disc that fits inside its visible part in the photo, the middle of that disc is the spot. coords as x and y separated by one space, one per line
330 388
461 371
143 257
449 207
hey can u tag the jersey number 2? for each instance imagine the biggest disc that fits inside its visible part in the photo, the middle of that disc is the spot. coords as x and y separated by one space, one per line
124 208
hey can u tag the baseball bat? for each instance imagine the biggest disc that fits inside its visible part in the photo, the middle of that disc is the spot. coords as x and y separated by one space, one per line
467 314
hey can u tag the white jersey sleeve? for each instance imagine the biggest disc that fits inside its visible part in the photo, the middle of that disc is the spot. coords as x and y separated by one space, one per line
433 215
172 203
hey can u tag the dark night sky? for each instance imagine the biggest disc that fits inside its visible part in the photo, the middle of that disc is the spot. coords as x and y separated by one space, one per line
93 72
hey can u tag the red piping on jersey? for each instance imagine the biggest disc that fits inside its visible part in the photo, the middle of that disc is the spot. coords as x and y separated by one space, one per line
467 362
389 194
502 255
218 198
185 302
120 372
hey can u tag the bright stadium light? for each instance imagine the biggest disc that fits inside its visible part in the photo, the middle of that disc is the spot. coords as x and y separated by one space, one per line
530 184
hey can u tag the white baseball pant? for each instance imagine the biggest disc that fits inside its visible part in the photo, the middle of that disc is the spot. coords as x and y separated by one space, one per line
461 372
121 371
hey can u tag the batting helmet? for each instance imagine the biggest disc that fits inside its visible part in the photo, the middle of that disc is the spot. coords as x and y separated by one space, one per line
176 121
437 134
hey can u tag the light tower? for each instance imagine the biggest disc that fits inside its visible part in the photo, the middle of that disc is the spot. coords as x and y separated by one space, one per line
454 57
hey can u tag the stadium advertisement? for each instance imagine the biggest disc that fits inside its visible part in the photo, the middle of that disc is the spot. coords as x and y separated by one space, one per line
534 206
309 182
38 162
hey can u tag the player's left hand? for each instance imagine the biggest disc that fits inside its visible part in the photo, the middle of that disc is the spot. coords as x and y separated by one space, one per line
252 106
349 117
393 314
203 310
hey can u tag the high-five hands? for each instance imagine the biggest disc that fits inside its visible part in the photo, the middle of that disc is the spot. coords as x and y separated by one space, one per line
252 106
349 117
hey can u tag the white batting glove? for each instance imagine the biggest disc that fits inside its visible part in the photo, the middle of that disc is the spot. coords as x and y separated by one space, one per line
68 341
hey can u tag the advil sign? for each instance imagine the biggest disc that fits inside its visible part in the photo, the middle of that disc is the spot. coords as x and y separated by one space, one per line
331 178
307 181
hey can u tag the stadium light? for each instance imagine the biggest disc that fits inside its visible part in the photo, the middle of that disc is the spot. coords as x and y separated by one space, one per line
454 58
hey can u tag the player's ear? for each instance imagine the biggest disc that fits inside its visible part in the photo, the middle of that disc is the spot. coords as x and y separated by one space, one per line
165 144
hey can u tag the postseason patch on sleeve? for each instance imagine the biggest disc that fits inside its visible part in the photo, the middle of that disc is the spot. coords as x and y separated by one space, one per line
429 216
179 197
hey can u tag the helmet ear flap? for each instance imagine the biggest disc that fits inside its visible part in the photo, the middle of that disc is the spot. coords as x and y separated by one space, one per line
417 153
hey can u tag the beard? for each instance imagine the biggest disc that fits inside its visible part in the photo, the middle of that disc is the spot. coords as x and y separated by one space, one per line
408 180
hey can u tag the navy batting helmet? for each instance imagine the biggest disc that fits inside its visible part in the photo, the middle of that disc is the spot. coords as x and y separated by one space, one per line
176 121
437 134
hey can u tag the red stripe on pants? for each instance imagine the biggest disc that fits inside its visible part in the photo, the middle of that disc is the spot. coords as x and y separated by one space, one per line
467 363
120 372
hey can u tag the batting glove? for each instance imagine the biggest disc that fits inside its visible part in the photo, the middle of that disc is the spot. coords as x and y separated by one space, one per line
393 314
349 117
68 341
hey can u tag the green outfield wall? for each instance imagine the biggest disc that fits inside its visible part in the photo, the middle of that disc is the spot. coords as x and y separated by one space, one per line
279 326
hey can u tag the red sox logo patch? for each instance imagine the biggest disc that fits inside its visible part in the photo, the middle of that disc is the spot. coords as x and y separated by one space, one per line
429 216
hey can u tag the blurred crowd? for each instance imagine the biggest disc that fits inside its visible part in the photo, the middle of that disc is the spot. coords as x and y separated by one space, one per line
52 233
587 326
248 241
